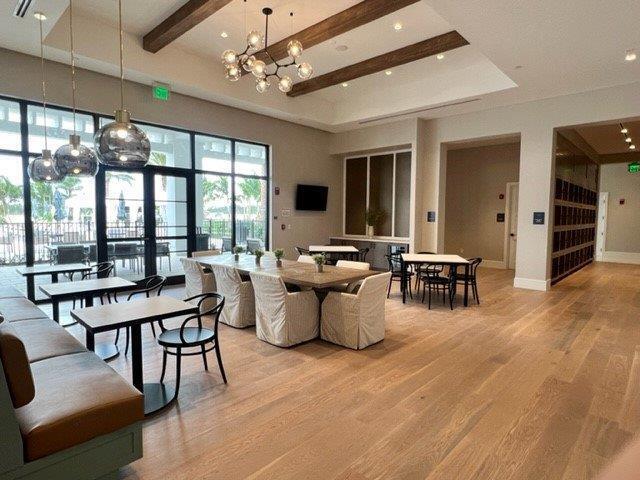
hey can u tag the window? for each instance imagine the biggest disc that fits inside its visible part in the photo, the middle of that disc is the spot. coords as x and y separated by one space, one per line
213 154
59 127
169 148
10 138
379 183
213 211
12 233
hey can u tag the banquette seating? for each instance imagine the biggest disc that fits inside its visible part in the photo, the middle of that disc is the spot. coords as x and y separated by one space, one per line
64 413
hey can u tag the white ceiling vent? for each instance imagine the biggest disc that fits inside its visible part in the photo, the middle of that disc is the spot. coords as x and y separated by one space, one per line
21 8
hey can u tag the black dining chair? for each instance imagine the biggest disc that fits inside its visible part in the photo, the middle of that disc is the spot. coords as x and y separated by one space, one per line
149 287
174 340
395 267
99 270
472 277
362 254
421 269
431 279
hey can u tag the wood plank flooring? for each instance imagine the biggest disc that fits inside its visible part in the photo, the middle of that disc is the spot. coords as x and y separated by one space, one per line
528 385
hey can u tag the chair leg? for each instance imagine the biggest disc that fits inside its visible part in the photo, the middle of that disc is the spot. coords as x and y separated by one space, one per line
424 289
117 337
178 368
219 357
429 296
153 329
475 292
204 358
126 348
164 365
450 298
389 289
410 292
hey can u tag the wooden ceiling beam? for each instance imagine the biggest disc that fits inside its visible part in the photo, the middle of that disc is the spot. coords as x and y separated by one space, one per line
342 22
179 22
411 53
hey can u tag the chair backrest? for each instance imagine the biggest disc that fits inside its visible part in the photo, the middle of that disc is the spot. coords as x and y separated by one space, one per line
350 264
206 253
202 241
70 254
362 254
70 237
375 286
196 281
254 244
128 248
306 259
226 244
302 251
209 304
474 264
99 270
395 262
15 363
228 281
150 286
270 293
162 248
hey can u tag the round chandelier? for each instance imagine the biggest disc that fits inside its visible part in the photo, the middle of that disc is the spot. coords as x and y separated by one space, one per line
75 159
235 62
121 143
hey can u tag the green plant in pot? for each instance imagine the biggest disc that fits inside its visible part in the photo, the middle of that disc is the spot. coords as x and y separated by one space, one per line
259 254
373 217
237 250
319 260
279 254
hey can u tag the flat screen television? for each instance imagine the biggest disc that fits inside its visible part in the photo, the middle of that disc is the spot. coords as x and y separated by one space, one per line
311 197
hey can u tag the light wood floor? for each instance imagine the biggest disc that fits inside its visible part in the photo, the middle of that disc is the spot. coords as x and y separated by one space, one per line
527 385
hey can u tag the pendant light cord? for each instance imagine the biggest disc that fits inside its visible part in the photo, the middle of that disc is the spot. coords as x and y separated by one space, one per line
121 55
73 66
44 88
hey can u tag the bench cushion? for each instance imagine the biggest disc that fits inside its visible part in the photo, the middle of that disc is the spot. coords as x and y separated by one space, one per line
15 364
16 309
78 397
44 338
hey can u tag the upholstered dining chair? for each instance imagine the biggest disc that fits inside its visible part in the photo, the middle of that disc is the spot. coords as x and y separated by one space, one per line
306 259
192 334
284 318
301 251
353 286
197 280
356 320
240 311
206 253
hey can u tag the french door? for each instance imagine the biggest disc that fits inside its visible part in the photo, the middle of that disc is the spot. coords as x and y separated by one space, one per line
145 221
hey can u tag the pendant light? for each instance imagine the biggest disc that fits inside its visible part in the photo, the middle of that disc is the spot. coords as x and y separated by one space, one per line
42 168
121 143
75 159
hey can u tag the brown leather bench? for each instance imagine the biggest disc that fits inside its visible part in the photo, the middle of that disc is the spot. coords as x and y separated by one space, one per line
64 413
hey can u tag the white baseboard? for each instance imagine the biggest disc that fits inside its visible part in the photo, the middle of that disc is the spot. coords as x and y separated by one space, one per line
493 264
532 284
620 257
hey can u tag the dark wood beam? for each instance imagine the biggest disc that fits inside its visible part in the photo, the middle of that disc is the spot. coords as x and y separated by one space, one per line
411 53
354 17
627 157
182 20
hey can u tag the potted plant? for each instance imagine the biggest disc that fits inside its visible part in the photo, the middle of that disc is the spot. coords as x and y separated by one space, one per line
279 254
319 259
373 216
237 250
258 253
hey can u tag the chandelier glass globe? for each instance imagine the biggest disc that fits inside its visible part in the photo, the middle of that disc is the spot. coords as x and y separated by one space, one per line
285 84
233 73
255 39
121 143
259 68
262 85
294 48
247 62
75 159
42 169
305 70
229 57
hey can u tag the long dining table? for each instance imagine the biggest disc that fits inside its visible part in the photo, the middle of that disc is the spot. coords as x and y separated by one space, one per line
291 272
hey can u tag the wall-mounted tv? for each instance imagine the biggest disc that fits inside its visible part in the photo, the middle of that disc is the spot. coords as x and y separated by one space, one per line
311 197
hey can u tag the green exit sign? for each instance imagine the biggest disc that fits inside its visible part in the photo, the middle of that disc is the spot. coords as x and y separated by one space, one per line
634 167
161 92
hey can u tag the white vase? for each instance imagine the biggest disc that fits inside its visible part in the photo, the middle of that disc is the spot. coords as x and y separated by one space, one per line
370 231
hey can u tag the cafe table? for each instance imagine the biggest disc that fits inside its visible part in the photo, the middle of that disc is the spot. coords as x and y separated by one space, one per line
453 261
54 270
133 314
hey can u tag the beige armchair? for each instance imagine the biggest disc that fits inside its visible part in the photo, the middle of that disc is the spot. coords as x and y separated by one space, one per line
356 321
353 286
283 318
306 259
197 281
239 309
206 253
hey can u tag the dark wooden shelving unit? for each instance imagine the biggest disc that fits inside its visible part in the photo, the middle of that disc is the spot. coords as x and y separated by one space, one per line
574 231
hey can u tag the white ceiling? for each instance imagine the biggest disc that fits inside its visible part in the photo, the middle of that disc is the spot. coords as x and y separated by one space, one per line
563 47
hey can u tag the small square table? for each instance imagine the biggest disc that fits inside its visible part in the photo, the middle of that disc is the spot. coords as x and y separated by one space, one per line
453 261
133 314
54 270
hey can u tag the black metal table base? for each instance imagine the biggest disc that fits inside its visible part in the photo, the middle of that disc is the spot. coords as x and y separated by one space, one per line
157 396
106 351
67 321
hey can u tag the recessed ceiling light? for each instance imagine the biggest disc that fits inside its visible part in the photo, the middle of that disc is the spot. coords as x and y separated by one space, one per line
632 147
624 130
630 56
342 48
628 139
40 16
388 72
440 56
224 34
397 26
345 84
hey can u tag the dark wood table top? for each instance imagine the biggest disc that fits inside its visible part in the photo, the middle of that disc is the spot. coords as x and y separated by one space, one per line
103 318
85 287
48 269
292 272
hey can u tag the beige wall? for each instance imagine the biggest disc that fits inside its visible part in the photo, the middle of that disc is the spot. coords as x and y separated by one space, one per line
475 179
299 154
623 221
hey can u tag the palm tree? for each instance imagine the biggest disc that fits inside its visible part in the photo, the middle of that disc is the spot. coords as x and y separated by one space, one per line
10 195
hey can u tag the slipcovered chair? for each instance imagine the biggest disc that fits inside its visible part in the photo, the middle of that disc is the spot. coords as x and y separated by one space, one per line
306 259
353 286
356 321
254 244
197 281
206 253
239 310
282 318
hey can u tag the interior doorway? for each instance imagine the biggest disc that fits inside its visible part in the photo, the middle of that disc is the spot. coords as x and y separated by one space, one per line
511 226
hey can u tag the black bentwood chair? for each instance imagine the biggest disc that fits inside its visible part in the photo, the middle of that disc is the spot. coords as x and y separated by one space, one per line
431 279
151 286
174 340
472 278
99 270
395 267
